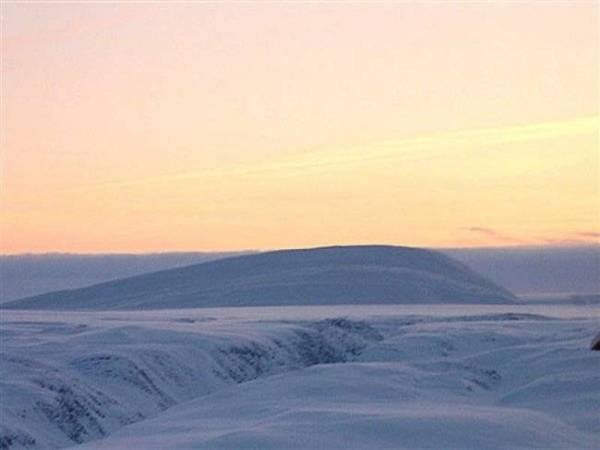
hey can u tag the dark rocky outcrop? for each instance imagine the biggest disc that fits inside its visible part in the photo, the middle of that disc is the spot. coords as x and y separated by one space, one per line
596 343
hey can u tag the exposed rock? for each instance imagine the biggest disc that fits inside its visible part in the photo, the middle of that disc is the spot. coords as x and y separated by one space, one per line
596 343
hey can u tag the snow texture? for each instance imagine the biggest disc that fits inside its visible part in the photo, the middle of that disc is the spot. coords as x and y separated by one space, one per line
464 376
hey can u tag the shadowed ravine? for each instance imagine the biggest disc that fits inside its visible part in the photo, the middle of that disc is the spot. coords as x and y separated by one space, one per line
81 401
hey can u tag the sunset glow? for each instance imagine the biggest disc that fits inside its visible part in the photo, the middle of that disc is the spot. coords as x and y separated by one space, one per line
206 126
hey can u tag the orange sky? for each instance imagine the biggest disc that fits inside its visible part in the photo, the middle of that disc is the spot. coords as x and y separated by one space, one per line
203 126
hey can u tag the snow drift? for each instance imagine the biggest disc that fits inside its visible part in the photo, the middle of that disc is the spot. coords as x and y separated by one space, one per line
81 381
330 275
335 377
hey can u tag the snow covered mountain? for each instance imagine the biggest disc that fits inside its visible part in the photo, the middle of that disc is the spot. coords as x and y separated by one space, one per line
329 275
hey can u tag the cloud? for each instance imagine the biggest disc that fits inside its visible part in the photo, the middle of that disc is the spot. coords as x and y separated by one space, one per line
487 231
566 242
490 232
581 238
588 234
432 146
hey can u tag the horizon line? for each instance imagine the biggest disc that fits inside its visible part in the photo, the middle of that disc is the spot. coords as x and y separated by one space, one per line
556 246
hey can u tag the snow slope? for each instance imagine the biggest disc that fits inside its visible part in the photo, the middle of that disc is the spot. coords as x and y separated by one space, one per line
464 376
27 275
69 381
331 275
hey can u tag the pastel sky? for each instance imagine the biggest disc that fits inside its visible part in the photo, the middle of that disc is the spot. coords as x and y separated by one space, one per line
204 126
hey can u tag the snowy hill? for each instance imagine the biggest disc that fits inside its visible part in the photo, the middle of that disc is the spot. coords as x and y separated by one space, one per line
549 271
330 275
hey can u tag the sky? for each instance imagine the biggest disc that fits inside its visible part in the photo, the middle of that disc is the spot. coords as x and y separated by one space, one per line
138 127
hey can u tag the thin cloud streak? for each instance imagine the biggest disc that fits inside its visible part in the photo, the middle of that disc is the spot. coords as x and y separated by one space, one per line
496 235
589 234
563 241
341 159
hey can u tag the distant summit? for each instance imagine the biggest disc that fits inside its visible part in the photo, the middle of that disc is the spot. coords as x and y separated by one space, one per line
320 276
